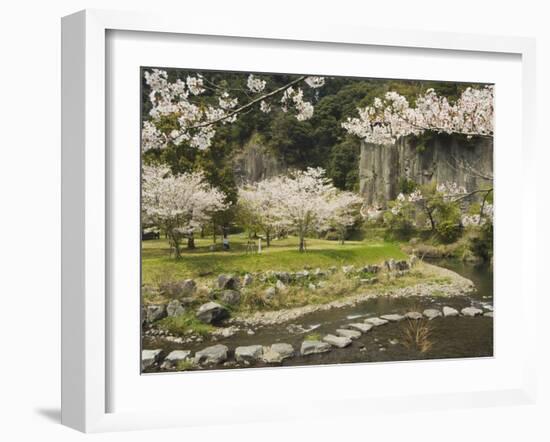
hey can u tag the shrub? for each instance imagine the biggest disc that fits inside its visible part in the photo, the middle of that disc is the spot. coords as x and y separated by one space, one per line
406 186
332 235
448 231
481 244
400 226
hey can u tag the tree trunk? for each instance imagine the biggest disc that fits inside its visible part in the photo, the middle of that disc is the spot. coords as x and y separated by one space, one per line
213 232
267 238
302 243
432 222
175 243
191 242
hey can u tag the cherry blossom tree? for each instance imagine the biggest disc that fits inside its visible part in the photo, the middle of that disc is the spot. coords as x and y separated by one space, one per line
183 111
393 117
178 204
343 211
258 205
302 202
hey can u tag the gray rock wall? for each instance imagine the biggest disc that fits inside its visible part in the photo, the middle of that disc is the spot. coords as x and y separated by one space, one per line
255 163
382 167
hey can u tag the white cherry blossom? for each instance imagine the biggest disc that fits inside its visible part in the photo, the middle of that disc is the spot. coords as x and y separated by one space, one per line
178 204
392 117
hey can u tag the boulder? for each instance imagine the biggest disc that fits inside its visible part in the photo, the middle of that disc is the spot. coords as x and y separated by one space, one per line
280 285
149 357
270 293
311 286
301 274
348 269
174 308
390 265
471 311
376 322
230 297
215 354
178 289
363 328
248 279
371 268
415 316
155 312
228 282
346 333
449 311
314 347
337 341
277 353
186 301
174 357
431 313
283 277
393 317
319 273
402 265
249 353
212 312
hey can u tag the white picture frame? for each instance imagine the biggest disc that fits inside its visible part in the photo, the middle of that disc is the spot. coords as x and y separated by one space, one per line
85 202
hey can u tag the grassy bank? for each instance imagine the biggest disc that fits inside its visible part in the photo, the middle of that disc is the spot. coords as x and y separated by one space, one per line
282 255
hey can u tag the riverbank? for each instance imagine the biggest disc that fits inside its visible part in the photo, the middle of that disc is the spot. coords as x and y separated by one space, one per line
454 318
440 282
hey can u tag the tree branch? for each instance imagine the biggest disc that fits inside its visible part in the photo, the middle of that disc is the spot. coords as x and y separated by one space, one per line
249 104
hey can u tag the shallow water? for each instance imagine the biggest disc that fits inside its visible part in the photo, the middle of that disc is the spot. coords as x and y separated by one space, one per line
455 337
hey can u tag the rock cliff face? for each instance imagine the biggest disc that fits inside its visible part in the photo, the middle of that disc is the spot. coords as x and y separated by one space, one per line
255 163
381 168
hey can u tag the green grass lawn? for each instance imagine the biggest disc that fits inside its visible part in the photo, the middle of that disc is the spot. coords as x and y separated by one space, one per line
158 266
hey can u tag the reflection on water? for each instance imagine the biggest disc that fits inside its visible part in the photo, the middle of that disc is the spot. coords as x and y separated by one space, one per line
480 274
455 337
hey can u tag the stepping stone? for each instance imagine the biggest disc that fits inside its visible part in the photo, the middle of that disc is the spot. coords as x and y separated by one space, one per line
376 322
431 313
393 341
337 341
250 353
393 317
174 357
216 354
149 357
415 316
352 334
277 353
471 311
363 328
449 311
178 355
488 314
314 347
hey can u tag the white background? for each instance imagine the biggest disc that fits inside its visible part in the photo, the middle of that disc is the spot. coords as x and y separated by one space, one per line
29 221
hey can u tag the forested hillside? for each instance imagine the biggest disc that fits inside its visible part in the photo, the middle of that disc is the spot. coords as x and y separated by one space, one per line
278 137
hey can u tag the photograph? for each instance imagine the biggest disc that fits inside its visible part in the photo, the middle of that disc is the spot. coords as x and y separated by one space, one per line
295 219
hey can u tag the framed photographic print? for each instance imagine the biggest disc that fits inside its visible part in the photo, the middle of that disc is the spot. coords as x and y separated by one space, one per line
290 219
